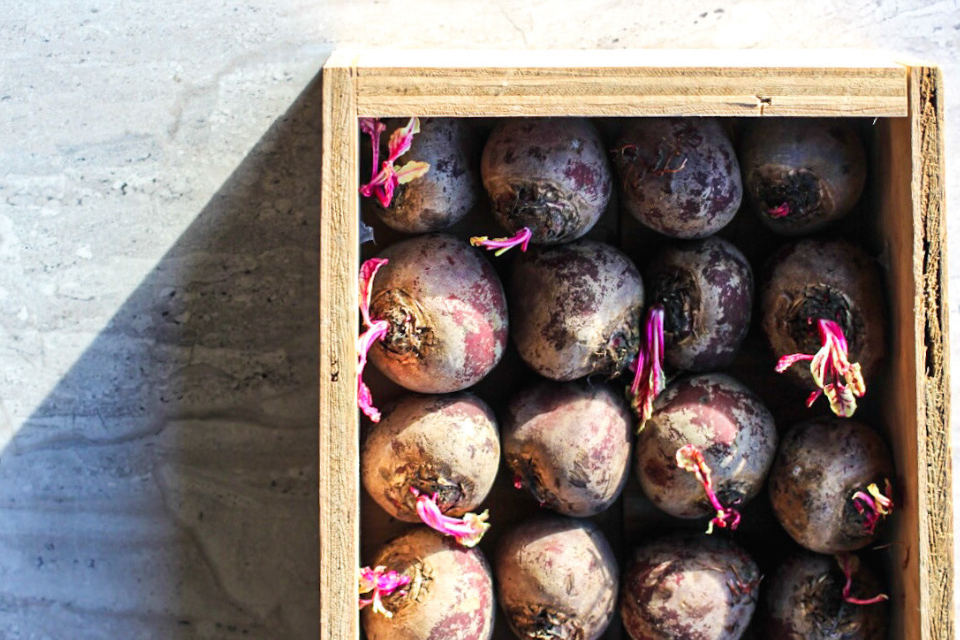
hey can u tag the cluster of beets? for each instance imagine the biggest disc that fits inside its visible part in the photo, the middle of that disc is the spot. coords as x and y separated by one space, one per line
581 315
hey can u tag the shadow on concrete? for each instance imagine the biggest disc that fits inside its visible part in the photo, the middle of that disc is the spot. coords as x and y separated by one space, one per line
167 487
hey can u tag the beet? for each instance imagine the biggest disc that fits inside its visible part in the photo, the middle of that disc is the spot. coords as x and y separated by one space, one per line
449 189
575 309
449 597
733 431
802 174
446 445
679 176
690 587
821 465
804 601
812 280
557 578
446 311
550 175
569 445
705 288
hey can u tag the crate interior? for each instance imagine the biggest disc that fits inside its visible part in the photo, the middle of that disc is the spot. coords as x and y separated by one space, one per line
882 224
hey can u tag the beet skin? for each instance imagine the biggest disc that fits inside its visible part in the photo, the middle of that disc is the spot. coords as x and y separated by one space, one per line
575 309
446 445
706 290
548 174
821 464
804 601
557 578
450 595
679 176
569 445
728 424
690 587
449 189
447 314
802 174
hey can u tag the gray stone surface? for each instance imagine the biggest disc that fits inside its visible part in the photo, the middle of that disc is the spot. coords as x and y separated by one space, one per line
159 193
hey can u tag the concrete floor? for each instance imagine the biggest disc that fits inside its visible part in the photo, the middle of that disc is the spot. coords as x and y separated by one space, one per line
159 199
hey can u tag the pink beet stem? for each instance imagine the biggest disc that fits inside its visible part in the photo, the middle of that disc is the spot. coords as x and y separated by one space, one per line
521 238
831 369
848 573
874 505
382 583
467 530
691 459
383 183
517 482
376 330
779 212
648 379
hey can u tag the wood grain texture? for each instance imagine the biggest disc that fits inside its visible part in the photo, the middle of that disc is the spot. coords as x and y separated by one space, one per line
339 265
629 83
936 553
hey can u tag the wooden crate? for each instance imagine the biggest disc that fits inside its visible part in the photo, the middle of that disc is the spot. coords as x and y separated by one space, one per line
907 149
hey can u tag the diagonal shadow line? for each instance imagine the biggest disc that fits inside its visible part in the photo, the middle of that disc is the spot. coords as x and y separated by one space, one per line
167 486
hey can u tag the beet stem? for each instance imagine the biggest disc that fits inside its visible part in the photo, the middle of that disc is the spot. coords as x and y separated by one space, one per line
376 331
503 245
848 568
689 458
382 583
467 530
649 379
779 212
383 184
874 506
835 376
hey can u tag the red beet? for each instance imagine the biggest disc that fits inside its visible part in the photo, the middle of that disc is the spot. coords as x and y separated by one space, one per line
695 588
804 601
445 445
813 280
821 465
447 314
706 290
802 174
449 597
448 190
679 176
569 445
575 309
729 426
557 578
548 174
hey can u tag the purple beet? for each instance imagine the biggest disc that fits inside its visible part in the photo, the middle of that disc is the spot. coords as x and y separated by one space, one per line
679 176
569 445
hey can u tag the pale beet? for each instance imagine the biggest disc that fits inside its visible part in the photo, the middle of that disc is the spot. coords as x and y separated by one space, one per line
690 587
445 445
446 311
802 174
705 288
569 445
549 175
810 284
575 309
820 484
804 600
730 428
557 578
678 176
448 190
449 596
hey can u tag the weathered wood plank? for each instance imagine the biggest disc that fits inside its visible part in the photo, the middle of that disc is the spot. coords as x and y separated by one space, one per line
339 264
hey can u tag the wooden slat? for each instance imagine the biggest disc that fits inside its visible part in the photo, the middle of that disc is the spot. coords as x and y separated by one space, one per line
629 83
936 524
339 264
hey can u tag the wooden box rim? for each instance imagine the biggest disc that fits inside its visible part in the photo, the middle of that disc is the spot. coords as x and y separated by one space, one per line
732 83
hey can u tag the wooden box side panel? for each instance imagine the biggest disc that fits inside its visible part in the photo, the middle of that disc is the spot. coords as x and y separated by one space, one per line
936 524
339 429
